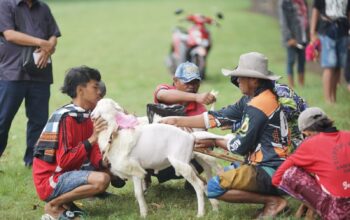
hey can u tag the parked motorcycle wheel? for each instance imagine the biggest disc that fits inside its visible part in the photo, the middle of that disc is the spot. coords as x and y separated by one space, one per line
200 62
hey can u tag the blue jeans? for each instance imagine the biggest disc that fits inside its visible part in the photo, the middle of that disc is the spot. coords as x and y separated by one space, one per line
333 52
69 181
36 96
293 54
347 65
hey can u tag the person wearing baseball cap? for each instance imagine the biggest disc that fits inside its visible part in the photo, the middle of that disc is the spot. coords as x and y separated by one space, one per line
184 91
260 134
318 172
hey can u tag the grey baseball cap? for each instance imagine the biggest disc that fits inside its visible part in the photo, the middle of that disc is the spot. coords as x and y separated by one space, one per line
309 117
187 72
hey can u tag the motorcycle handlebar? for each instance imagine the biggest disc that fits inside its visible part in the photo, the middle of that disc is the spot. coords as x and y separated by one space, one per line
214 22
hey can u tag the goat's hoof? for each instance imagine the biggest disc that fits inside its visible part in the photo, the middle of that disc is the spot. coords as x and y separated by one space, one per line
214 204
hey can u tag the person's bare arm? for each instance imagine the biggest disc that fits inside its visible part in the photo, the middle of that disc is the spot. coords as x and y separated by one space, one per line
46 52
190 121
46 47
173 96
206 143
313 24
20 38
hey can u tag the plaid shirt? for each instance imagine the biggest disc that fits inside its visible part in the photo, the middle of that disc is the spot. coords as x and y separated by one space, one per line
48 141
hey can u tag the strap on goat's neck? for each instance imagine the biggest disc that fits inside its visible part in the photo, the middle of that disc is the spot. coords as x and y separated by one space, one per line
108 146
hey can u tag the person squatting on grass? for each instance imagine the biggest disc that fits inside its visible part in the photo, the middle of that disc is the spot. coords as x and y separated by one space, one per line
294 21
318 172
23 24
61 150
261 136
331 18
184 91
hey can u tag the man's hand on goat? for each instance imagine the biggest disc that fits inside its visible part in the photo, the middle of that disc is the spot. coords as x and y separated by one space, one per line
208 143
99 125
204 143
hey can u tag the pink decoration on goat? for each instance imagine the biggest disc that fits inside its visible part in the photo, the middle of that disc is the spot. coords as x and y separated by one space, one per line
313 51
126 121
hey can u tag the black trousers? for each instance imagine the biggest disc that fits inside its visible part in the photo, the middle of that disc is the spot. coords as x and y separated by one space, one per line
36 99
169 173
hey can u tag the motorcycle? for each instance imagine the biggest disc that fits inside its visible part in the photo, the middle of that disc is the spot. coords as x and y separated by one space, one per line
193 44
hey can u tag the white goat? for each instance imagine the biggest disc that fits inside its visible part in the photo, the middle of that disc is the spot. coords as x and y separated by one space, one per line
131 148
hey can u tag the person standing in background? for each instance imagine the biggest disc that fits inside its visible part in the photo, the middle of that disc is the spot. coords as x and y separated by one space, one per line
331 18
25 23
294 26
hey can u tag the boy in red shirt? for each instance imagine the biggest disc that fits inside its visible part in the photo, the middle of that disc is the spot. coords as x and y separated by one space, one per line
68 139
318 172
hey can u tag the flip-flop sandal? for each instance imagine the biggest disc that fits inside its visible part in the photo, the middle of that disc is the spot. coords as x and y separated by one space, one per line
69 215
66 215
74 208
285 211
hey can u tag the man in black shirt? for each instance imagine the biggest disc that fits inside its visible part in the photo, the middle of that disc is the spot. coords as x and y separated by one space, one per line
23 24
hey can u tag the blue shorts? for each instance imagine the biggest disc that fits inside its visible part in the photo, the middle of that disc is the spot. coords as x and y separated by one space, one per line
246 178
333 51
69 181
214 188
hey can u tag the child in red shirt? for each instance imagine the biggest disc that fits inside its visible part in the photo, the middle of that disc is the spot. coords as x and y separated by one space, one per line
68 139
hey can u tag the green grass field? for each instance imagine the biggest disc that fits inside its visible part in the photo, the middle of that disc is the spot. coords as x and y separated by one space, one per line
127 40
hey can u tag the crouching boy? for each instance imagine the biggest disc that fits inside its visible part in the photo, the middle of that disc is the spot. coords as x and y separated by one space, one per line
68 139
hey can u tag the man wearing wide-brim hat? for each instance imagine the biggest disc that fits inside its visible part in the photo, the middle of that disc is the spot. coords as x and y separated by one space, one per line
261 135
